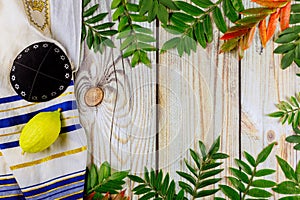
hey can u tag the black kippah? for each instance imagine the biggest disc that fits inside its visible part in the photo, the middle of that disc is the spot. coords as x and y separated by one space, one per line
41 72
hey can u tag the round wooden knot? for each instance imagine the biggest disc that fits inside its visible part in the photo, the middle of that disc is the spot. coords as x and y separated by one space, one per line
94 96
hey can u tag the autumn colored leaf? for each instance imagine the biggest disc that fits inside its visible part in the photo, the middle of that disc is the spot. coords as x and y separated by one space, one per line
258 11
248 38
271 3
272 24
285 13
236 32
262 26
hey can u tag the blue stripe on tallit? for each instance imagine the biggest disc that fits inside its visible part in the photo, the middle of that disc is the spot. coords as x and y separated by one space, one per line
55 185
59 177
65 191
21 119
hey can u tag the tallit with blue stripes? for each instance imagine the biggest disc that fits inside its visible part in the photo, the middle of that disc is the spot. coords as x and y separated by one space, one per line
57 172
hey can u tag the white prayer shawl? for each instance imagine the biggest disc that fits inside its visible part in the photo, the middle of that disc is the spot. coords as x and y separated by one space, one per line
59 171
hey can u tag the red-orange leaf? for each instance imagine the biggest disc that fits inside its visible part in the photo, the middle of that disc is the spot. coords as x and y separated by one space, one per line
262 27
285 13
235 33
271 3
248 38
90 196
272 24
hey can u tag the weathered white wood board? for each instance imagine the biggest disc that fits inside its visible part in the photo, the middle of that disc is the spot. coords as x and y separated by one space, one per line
196 97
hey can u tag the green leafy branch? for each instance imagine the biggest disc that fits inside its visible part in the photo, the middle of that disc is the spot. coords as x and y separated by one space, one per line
136 40
95 32
201 173
156 185
194 24
102 181
289 112
247 181
290 187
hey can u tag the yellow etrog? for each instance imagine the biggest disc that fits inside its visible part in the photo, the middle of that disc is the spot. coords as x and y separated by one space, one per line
40 132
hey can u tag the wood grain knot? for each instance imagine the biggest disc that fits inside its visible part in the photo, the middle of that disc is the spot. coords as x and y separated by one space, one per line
94 96
271 136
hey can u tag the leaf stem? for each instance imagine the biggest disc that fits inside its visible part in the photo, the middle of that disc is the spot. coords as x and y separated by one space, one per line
249 184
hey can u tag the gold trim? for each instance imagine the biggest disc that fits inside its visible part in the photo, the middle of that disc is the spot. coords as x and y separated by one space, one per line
81 191
39 194
28 7
1 154
8 185
6 178
53 182
46 159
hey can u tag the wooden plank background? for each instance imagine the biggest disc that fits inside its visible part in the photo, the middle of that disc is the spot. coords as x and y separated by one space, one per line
151 117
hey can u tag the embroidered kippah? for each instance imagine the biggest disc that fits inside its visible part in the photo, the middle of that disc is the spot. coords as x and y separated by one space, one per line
41 72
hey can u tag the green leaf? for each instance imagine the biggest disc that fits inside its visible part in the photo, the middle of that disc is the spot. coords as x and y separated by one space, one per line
144 59
148 196
295 8
202 149
210 173
132 7
94 175
165 184
229 45
96 18
183 17
189 8
144 38
153 12
249 158
219 20
294 29
135 59
85 3
119 175
171 190
290 198
244 166
238 5
208 30
295 18
219 156
108 32
237 183
287 59
192 169
284 48
264 172
83 33
297 147
250 20
205 193
90 11
180 195
145 46
145 5
262 183
286 38
141 189
186 187
239 174
115 4
276 114
293 139
255 192
298 172
203 3
104 26
286 168
229 11
229 192
120 11
127 42
208 182
287 187
170 44
263 155
196 158
214 147
138 18
261 10
163 14
211 166
90 38
136 179
188 177
169 3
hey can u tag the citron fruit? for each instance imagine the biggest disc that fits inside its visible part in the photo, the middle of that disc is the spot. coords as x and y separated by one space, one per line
40 132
